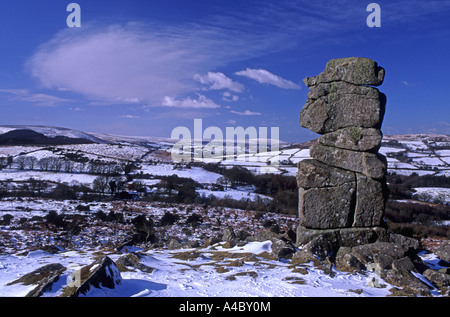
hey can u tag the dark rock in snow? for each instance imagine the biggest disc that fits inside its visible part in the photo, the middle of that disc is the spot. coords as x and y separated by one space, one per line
101 273
43 277
281 247
133 260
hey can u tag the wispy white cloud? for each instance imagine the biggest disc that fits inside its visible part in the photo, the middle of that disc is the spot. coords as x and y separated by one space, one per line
246 113
265 77
40 99
140 63
200 102
129 116
226 96
218 81
115 64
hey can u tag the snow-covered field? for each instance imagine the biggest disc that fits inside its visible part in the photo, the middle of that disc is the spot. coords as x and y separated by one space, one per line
61 177
213 271
198 174
433 194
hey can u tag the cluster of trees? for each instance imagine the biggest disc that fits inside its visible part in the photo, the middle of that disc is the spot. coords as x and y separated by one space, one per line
401 186
283 189
417 220
5 162
69 164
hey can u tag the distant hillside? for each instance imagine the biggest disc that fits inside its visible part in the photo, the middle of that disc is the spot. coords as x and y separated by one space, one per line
43 135
30 137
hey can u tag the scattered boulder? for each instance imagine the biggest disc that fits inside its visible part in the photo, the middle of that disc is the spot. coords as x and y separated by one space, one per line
132 260
443 252
229 237
174 244
320 247
440 279
281 246
380 253
303 256
391 261
347 262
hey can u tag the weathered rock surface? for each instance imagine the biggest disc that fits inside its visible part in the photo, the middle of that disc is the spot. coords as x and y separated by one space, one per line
342 190
371 196
327 207
355 70
342 105
438 278
133 260
342 237
314 174
369 164
390 261
353 138
443 252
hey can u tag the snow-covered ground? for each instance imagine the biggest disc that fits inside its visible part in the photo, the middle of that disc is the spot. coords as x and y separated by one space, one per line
433 194
198 174
60 177
214 271
236 194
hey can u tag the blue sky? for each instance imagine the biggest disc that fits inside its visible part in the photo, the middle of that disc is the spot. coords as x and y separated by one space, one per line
146 67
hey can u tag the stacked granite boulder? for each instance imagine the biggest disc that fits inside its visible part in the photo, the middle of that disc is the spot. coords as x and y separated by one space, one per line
342 189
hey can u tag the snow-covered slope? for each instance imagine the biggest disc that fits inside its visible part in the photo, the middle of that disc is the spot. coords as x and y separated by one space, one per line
52 132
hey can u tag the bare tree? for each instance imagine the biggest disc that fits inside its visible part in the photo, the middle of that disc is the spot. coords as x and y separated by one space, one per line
30 161
69 166
100 184
20 161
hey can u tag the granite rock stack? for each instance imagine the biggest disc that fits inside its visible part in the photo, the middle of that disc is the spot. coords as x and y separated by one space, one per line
342 189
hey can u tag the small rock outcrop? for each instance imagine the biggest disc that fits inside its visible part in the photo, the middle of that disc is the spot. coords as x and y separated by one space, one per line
43 278
342 189
101 273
